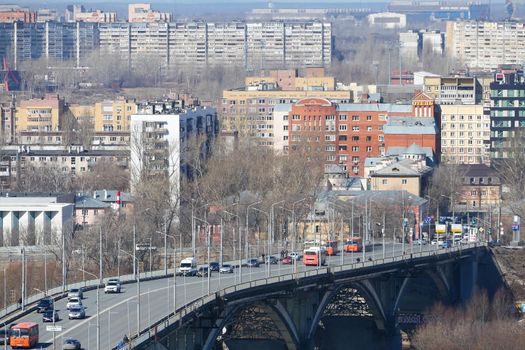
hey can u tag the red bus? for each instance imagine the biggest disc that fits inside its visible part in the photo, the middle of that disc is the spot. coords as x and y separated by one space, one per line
24 335
314 256
354 244
332 247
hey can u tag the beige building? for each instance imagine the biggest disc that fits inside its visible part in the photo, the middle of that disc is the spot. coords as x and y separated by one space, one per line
465 134
96 16
40 114
107 116
452 90
485 45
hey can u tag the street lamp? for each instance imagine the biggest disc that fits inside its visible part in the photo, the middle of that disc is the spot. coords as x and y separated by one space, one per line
341 234
240 252
208 243
174 273
268 271
98 307
247 234
272 236
138 286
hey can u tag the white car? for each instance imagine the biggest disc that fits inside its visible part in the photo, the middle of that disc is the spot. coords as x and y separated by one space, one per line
112 287
74 302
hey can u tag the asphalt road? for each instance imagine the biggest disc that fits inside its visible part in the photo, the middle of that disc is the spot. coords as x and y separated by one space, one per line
118 312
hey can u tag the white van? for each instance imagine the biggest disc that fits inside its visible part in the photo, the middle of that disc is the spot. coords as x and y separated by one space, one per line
188 267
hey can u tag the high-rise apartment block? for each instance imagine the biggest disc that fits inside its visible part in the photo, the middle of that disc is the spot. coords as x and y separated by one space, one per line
161 134
465 134
485 45
414 44
507 110
409 45
192 44
62 41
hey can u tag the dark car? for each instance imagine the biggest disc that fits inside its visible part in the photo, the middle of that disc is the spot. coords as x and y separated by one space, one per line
494 243
252 263
50 316
44 304
215 267
202 271
272 260
4 336
71 344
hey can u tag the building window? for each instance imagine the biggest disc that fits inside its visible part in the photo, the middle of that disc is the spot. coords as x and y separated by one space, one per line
296 117
384 181
343 117
355 118
404 181
368 117
369 148
355 148
343 138
342 127
355 128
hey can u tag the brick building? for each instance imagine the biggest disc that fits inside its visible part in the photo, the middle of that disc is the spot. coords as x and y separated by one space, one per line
13 13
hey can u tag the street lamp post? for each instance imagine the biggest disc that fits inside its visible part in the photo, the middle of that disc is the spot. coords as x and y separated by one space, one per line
247 234
98 307
208 243
240 254
272 237
294 230
138 285
268 271
174 272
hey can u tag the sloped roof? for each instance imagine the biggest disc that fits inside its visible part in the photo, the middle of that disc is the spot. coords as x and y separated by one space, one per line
111 196
414 149
410 125
396 151
88 202
396 169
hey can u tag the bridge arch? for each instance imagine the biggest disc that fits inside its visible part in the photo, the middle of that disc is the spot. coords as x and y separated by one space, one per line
362 290
277 317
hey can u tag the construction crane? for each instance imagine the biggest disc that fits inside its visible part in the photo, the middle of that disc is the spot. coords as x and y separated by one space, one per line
7 76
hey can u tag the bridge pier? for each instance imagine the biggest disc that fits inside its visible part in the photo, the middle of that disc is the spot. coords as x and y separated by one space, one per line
468 275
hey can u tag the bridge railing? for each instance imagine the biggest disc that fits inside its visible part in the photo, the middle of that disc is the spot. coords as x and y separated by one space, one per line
195 304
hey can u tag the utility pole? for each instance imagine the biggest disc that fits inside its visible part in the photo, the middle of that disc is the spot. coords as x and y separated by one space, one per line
100 256
134 252
23 292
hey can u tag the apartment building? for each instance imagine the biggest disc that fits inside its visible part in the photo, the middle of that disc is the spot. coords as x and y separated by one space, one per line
453 90
226 43
107 115
340 133
54 40
160 134
40 114
144 13
507 110
465 134
13 13
432 42
484 45
265 45
409 45
249 110
387 20
58 138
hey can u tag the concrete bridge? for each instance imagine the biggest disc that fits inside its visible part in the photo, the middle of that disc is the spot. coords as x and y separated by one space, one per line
366 303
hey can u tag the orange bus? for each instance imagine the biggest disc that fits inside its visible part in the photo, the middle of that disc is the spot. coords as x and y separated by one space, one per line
332 247
354 244
24 335
314 256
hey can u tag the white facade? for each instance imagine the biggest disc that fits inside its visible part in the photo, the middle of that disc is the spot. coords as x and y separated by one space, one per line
280 127
432 42
485 45
409 45
387 20
465 134
157 141
34 220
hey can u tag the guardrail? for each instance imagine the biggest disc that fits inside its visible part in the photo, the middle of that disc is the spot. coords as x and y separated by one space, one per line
196 304
14 311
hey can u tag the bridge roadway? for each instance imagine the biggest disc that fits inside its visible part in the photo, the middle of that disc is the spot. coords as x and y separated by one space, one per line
118 312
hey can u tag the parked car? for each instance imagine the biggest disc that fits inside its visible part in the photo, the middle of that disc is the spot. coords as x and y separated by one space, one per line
44 304
202 271
271 259
71 344
50 316
215 266
494 243
112 287
252 263
287 260
226 268
77 312
73 302
75 293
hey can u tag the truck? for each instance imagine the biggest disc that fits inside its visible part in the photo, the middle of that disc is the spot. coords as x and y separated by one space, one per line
187 267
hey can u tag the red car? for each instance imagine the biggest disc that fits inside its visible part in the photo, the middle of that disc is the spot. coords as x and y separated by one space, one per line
287 260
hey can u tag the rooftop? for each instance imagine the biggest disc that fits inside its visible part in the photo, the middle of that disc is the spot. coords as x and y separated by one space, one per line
374 107
410 125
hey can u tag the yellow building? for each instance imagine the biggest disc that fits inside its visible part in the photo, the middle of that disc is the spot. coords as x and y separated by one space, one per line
107 116
40 114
